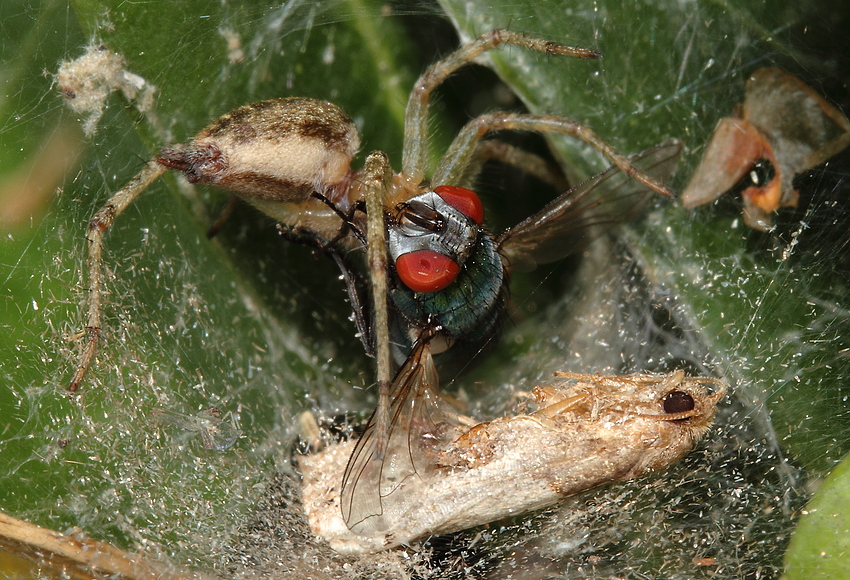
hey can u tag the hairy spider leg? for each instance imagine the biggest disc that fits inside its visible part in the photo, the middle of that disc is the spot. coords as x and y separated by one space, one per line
102 221
452 165
531 163
416 116
377 178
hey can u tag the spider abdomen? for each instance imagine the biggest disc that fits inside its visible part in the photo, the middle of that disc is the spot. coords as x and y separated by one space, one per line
279 150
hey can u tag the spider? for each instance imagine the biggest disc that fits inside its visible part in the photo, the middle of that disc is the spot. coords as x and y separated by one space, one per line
291 157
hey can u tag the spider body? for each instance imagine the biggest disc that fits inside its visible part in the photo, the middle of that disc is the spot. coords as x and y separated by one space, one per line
275 155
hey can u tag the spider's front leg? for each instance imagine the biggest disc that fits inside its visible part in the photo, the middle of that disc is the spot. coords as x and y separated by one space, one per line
453 165
376 182
416 115
102 221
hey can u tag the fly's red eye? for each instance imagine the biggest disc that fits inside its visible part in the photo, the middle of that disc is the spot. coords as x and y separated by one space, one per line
464 200
426 271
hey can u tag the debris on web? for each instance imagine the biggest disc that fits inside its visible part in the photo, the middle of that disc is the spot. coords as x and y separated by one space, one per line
87 81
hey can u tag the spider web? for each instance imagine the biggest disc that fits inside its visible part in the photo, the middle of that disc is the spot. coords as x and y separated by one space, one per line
180 443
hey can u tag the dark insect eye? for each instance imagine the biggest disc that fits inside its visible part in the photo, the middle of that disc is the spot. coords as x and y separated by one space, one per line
677 402
761 172
423 216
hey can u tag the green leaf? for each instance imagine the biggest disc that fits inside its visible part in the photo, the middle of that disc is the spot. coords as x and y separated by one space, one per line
773 320
820 547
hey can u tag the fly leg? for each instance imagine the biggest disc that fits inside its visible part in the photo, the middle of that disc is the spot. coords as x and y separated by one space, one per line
354 283
102 221
377 177
223 216
416 115
453 164
348 225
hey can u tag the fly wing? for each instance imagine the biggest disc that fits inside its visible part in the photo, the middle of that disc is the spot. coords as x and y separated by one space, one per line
573 219
377 489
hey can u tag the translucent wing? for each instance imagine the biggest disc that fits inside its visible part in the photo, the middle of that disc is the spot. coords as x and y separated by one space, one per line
567 223
374 490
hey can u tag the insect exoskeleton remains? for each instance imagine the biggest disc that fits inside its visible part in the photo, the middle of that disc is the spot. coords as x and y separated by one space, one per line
588 430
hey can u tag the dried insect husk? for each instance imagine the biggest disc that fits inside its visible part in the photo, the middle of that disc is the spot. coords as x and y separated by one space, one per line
590 430
786 124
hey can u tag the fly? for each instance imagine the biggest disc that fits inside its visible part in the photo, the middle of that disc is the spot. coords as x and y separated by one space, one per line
453 279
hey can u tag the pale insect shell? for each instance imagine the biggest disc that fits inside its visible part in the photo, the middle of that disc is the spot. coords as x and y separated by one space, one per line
786 123
592 429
